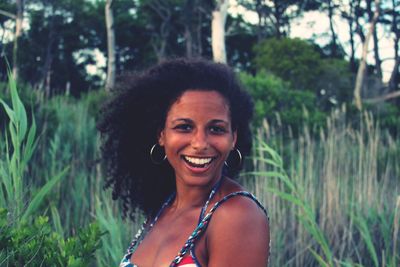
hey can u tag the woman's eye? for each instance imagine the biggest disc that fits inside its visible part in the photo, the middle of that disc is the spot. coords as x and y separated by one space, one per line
183 127
217 129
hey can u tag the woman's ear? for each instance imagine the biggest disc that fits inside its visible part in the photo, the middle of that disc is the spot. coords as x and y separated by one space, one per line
234 139
161 138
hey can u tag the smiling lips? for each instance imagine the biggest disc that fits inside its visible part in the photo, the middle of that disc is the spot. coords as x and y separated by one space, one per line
196 162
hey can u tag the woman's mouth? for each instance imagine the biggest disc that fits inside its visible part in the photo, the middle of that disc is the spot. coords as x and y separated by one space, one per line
196 162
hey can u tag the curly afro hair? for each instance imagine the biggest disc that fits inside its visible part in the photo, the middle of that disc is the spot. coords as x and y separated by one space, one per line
130 124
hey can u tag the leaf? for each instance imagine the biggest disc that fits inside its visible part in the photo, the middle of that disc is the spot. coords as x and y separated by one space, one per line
365 233
30 144
286 196
9 111
319 258
23 120
38 198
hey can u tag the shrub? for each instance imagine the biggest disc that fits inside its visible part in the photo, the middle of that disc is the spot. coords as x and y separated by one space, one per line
275 101
36 244
292 60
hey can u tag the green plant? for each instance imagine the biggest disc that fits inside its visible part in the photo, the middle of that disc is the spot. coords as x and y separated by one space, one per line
341 187
35 244
292 60
20 144
277 102
25 240
294 193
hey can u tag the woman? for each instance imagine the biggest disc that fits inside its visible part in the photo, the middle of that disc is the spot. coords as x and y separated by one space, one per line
174 137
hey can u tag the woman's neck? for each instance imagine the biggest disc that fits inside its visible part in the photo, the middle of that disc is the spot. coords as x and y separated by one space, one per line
192 196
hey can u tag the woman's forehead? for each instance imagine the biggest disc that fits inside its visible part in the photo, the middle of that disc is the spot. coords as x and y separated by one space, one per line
200 102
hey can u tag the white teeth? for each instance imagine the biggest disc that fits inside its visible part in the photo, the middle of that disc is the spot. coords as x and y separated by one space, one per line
198 161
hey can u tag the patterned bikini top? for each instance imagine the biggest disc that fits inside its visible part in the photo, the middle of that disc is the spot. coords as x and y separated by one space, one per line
186 256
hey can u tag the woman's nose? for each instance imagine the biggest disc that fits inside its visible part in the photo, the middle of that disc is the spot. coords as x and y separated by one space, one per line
199 140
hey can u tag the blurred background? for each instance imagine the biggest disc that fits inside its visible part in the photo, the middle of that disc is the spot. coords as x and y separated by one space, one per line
324 75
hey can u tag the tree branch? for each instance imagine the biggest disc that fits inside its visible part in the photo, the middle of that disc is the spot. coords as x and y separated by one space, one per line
383 98
8 14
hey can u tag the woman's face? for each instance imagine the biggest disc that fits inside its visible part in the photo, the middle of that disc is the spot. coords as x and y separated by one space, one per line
198 137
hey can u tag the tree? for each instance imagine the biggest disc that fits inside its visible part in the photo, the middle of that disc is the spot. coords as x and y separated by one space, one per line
194 19
57 46
160 16
292 60
111 68
18 32
395 22
7 13
218 30
274 16
331 7
348 12
363 64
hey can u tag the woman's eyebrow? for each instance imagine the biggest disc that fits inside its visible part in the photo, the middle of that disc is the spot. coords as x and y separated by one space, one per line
186 120
218 121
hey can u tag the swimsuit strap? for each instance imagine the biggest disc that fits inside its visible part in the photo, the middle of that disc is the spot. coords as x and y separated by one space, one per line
143 231
202 226
204 208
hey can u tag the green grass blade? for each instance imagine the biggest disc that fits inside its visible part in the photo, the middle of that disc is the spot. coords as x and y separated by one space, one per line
362 226
30 145
9 111
39 197
319 258
55 215
286 196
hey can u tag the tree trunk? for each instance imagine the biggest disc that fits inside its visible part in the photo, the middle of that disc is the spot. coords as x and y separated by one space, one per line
363 64
259 7
394 77
18 32
378 61
278 15
332 29
46 77
218 31
188 17
199 34
350 17
160 39
111 66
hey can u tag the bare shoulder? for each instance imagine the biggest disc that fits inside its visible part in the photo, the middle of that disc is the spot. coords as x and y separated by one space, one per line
238 234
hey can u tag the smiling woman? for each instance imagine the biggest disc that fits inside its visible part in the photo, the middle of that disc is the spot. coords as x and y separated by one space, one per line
174 137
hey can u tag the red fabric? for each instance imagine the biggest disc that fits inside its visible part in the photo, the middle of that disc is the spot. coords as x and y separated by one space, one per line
186 260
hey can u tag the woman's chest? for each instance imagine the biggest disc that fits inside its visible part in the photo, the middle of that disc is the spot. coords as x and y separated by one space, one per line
164 241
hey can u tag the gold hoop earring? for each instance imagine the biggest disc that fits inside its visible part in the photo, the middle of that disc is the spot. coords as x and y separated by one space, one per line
240 159
156 160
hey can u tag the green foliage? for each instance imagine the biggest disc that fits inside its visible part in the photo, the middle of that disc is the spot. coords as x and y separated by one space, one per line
279 104
335 83
388 116
295 194
292 60
341 187
35 244
26 241
20 144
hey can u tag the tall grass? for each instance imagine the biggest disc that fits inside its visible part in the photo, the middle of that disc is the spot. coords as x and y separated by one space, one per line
336 205
19 144
333 200
70 138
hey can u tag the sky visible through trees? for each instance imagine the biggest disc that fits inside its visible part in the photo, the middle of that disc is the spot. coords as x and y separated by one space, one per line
315 25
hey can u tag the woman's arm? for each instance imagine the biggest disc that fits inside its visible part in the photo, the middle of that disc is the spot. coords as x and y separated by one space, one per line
238 235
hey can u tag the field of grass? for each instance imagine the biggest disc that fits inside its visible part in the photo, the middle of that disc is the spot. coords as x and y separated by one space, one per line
333 198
